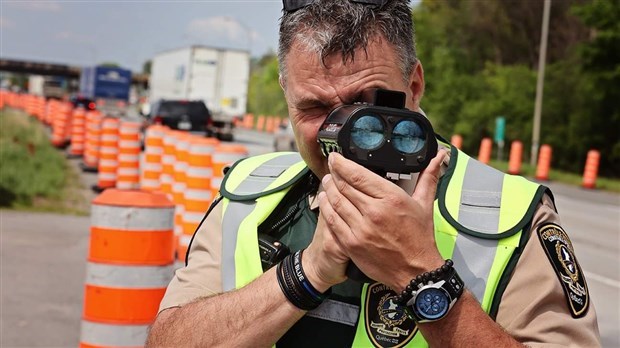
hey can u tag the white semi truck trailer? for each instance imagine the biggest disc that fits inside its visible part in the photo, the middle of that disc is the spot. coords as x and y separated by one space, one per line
218 77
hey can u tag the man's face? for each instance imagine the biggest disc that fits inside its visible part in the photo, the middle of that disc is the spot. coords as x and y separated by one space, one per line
313 89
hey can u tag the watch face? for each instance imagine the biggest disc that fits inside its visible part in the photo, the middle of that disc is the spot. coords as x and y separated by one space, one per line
431 303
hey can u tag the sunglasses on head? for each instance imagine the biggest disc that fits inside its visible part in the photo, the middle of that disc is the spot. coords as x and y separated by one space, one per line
294 5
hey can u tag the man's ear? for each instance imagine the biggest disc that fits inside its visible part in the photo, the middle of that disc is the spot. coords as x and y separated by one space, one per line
281 81
416 84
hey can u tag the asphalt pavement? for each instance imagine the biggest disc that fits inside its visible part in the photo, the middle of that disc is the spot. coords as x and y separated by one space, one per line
43 259
43 270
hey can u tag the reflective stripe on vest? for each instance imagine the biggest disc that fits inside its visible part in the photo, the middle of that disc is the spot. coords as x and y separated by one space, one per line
479 217
240 254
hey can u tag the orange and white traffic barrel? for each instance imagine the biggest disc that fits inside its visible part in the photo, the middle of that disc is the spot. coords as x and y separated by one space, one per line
69 127
590 171
128 269
91 146
77 132
544 162
6 99
50 111
128 172
39 108
42 109
29 104
178 186
269 124
237 122
197 195
484 154
62 123
166 179
153 152
457 141
50 106
248 121
35 107
260 123
516 155
108 154
224 156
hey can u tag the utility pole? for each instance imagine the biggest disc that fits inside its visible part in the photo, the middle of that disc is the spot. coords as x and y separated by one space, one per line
542 58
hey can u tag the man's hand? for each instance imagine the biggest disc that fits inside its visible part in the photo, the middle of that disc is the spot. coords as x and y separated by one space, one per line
324 261
388 234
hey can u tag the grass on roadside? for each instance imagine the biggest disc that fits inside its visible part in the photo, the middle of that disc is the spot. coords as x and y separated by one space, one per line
527 170
33 174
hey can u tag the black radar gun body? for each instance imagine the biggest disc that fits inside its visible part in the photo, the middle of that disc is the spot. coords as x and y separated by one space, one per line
379 133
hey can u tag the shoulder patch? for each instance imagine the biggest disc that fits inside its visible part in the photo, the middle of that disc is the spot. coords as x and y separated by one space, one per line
560 252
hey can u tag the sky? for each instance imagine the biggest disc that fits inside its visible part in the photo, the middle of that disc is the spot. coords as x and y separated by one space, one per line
84 33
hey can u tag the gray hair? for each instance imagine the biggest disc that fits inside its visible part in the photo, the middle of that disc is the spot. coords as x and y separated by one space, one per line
341 26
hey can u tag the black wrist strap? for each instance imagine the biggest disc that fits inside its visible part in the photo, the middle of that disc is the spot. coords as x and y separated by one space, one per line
296 286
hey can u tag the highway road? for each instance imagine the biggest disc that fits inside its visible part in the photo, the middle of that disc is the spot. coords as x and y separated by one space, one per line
592 220
43 263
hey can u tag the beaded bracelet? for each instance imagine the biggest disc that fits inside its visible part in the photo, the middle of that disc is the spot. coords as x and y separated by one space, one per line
296 286
422 279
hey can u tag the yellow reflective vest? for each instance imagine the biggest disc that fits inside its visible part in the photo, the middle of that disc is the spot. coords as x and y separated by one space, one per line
481 216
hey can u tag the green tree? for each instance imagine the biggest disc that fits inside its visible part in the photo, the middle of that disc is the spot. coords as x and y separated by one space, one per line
480 60
146 67
265 95
109 64
600 56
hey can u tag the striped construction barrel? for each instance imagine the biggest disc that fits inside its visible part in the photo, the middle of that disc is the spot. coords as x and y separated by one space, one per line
153 152
90 161
260 123
178 186
78 123
197 195
166 179
108 153
128 171
224 156
129 266
62 123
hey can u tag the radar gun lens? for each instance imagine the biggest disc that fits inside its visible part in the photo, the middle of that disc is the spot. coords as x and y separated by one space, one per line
408 137
367 132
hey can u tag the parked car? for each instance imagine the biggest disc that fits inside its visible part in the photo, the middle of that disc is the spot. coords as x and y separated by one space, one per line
185 115
86 103
284 139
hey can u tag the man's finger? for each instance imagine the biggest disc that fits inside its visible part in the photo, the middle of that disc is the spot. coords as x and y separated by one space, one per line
356 176
341 203
338 227
426 187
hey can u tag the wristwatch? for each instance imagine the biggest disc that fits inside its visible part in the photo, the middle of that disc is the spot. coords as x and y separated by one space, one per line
433 300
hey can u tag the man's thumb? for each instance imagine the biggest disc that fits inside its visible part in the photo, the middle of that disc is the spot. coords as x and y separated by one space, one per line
427 181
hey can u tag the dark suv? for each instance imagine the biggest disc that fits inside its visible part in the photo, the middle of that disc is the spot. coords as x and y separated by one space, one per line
185 115
86 103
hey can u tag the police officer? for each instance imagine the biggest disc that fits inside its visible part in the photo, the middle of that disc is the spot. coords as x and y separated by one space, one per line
461 255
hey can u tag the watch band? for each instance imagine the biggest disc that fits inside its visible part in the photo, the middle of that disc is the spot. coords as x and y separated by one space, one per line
454 285
445 291
440 288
